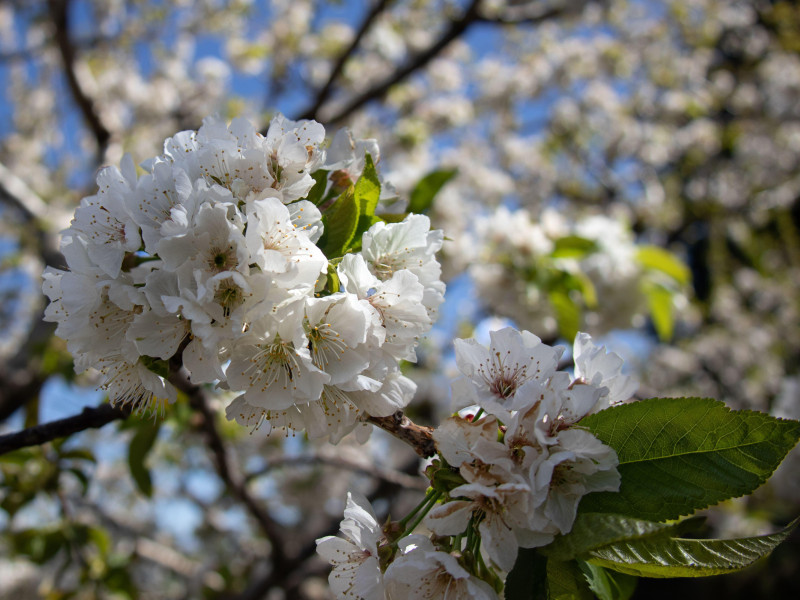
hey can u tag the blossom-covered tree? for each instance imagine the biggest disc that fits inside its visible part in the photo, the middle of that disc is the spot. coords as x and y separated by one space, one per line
266 290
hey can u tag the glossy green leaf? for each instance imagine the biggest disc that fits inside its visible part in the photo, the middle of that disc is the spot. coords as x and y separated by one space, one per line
340 221
317 193
663 556
658 259
591 530
425 191
333 284
367 193
565 581
607 585
527 579
141 444
678 455
368 188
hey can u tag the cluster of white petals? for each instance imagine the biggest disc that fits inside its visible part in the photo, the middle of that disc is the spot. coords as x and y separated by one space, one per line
418 572
516 257
215 252
524 489
509 476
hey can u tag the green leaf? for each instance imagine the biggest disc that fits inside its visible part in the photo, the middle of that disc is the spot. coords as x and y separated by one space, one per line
573 246
568 313
81 477
658 259
591 530
156 365
565 581
340 223
675 557
317 193
79 454
333 284
141 444
367 194
659 301
583 283
394 217
608 585
368 188
40 545
527 579
101 539
678 455
425 191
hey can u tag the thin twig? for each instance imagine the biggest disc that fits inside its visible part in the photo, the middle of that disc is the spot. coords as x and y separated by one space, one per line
419 437
59 13
90 418
456 29
533 13
233 479
324 92
389 475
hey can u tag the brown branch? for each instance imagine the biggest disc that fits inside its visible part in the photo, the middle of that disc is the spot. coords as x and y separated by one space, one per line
33 210
526 15
90 418
419 437
235 482
456 29
534 13
324 92
59 13
20 380
392 476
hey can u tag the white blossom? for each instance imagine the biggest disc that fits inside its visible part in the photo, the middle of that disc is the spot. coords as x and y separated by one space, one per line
356 572
421 572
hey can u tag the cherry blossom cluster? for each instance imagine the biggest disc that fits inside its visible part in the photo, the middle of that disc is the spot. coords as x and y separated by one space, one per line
518 259
214 255
510 473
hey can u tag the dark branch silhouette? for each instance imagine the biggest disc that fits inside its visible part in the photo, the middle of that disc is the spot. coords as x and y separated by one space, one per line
90 418
59 13
419 437
533 13
456 28
233 479
325 90
530 14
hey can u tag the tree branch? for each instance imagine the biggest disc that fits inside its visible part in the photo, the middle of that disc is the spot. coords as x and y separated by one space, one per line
419 437
17 194
324 92
392 476
20 380
455 30
59 10
90 418
233 479
533 13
